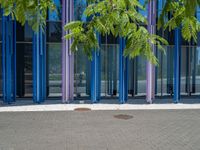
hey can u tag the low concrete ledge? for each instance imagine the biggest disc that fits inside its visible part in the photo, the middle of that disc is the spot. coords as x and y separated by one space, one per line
72 107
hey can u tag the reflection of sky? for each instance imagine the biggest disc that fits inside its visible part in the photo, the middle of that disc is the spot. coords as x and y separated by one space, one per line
160 6
198 13
80 5
144 13
55 16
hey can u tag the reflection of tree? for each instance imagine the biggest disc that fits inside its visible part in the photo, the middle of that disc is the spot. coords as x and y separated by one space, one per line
56 27
59 11
58 30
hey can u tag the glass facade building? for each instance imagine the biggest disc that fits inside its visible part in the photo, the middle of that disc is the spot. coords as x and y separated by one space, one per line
40 66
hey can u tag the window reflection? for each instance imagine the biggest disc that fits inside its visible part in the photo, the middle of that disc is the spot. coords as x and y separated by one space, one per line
24 70
54 48
54 69
56 15
0 71
54 31
24 34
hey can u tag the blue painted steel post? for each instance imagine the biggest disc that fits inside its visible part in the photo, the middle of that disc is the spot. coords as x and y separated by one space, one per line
96 74
123 74
177 65
8 59
39 66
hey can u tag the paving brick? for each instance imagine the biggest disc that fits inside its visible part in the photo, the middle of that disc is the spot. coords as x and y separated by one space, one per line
100 130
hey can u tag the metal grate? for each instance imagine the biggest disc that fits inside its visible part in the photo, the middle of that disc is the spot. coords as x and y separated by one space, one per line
123 116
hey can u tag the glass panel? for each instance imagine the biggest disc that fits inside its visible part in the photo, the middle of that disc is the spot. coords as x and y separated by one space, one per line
185 58
1 70
54 69
164 72
196 71
132 82
143 12
28 33
24 70
109 70
81 74
190 71
0 30
82 66
54 49
137 77
80 6
24 33
56 15
141 76
54 31
1 84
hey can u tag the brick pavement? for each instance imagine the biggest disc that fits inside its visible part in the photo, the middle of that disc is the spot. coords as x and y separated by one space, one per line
100 130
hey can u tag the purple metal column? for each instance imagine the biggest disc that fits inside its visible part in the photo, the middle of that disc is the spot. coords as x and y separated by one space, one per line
67 56
150 70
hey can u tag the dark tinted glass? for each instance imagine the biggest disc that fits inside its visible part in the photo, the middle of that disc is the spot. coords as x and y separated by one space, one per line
54 31
24 33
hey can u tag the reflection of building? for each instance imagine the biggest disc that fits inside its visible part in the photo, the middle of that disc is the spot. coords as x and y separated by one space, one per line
43 67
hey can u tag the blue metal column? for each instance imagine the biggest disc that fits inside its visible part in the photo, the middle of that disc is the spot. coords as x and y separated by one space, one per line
177 65
9 59
39 66
96 75
123 74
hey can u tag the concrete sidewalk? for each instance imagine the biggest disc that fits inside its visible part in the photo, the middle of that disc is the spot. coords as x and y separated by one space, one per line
71 107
